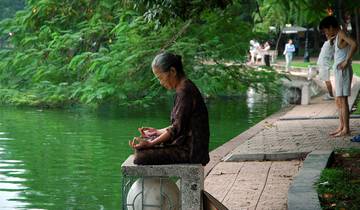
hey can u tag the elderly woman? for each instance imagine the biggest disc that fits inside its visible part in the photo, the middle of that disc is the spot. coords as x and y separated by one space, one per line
186 140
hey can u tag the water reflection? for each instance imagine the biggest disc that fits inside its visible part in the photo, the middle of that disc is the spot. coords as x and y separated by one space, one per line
11 186
71 159
259 105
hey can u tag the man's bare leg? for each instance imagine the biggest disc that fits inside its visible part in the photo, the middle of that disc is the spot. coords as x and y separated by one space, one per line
329 88
345 115
253 58
341 125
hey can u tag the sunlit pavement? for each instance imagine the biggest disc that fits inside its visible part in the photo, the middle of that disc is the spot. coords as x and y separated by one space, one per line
264 184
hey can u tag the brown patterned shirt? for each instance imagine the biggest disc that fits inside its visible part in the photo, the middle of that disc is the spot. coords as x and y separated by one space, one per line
190 123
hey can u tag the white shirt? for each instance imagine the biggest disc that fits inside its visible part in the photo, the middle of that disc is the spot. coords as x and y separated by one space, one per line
289 48
326 55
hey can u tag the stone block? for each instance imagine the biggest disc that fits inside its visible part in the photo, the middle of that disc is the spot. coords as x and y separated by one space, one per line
300 84
280 156
191 179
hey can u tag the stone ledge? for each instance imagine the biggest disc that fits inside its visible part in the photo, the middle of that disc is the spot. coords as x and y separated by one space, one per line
265 157
302 193
177 170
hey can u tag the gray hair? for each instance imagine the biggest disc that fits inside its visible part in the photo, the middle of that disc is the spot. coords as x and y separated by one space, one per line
164 61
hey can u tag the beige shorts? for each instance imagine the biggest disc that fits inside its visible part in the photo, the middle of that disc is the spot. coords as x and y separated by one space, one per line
324 73
343 81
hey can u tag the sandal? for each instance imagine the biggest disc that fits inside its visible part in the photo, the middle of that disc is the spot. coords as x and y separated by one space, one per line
355 138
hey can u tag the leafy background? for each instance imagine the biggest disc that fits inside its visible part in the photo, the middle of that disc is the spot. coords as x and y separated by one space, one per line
60 53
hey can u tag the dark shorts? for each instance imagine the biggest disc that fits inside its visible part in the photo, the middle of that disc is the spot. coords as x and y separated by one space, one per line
162 155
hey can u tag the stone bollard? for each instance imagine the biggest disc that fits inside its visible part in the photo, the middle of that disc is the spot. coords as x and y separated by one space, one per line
191 178
305 94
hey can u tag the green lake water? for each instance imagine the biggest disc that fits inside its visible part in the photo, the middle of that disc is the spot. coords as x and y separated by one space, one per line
70 159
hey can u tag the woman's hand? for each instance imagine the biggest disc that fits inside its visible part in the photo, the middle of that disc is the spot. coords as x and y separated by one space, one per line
147 132
342 65
140 143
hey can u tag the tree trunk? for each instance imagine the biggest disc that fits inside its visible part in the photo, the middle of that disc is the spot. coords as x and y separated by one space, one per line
258 11
306 53
357 27
278 40
339 12
316 39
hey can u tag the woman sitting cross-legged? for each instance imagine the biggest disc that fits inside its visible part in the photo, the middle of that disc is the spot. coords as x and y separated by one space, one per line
186 140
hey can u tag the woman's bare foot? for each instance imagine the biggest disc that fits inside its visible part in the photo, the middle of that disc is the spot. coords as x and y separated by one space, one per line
342 133
335 132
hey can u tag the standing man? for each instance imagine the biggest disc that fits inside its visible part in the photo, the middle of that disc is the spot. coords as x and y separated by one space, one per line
288 52
324 64
345 47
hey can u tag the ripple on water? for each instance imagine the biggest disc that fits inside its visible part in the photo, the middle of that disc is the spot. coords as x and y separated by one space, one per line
10 161
11 186
13 170
6 164
7 200
4 139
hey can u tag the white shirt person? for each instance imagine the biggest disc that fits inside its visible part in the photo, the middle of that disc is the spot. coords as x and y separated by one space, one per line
288 52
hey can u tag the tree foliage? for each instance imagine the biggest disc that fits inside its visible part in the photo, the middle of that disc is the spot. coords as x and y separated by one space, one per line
280 12
164 11
299 12
92 51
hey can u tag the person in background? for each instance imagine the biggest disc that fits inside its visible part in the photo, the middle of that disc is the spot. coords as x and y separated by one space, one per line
266 54
345 47
288 52
186 140
260 55
324 64
254 50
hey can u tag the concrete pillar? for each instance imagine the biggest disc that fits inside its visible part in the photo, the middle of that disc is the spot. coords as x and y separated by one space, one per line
305 94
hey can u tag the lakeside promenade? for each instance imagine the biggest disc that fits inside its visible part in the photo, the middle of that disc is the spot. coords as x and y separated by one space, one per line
295 129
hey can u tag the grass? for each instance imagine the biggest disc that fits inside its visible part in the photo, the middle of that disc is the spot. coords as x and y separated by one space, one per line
356 68
356 56
339 186
303 64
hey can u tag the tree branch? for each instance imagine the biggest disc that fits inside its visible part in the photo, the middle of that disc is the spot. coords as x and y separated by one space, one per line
174 38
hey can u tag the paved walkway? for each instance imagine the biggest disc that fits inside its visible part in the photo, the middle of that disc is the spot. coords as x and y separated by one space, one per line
264 184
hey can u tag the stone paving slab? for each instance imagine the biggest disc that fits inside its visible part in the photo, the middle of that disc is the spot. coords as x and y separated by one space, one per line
326 109
265 156
217 154
252 185
298 136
